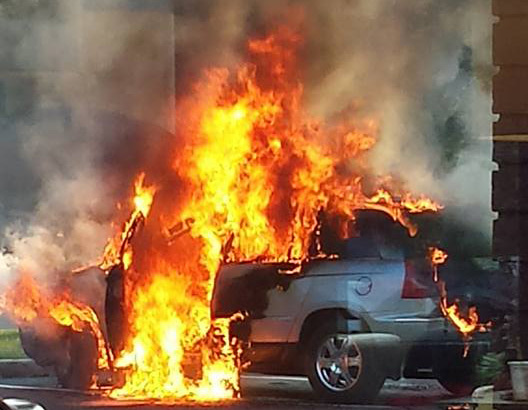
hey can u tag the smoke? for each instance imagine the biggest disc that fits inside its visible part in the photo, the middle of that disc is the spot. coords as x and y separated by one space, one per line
64 159
88 89
423 68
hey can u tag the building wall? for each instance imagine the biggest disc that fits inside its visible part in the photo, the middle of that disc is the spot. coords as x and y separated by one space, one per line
510 102
510 147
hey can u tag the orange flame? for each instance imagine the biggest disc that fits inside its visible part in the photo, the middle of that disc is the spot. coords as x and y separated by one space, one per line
26 302
79 318
466 326
383 201
422 204
438 257
257 171
23 301
118 249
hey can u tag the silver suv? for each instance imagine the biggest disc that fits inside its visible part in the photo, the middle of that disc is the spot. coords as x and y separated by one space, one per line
346 324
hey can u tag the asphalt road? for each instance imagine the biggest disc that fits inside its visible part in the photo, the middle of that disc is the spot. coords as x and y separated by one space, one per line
258 392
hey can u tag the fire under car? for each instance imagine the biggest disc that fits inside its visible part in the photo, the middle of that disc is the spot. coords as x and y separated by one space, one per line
349 322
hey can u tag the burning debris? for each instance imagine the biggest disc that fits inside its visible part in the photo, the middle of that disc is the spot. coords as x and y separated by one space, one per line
118 251
254 173
465 324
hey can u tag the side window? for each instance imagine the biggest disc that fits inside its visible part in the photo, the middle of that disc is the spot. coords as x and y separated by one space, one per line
360 247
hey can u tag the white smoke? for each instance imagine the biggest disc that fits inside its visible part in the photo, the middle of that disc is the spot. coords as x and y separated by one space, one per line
62 171
423 69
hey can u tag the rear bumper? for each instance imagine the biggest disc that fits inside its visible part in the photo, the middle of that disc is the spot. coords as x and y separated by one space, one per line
424 331
411 328
425 341
424 358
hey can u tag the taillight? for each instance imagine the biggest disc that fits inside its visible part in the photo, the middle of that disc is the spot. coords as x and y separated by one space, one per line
415 284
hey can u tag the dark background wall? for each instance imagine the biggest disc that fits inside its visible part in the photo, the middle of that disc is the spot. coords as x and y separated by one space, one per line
510 148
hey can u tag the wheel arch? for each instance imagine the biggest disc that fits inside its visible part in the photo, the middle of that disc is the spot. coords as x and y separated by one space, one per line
343 318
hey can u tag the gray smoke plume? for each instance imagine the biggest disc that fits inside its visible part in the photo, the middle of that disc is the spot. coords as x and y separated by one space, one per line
88 89
424 69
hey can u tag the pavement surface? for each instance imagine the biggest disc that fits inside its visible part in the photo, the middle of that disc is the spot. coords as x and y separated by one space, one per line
258 392
22 378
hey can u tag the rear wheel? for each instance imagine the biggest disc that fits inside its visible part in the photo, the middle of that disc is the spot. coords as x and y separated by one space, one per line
342 369
456 372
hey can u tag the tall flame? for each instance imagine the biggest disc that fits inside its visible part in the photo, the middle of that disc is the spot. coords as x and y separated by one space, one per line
257 170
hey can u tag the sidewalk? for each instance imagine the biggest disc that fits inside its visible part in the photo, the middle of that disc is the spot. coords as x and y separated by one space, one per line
484 398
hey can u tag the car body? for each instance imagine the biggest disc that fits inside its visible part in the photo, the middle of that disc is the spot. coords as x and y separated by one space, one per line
370 299
380 301
71 355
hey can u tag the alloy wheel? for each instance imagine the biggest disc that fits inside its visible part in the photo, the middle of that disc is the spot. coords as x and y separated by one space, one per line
339 362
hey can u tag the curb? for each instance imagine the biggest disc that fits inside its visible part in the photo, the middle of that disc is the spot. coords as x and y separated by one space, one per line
484 397
12 368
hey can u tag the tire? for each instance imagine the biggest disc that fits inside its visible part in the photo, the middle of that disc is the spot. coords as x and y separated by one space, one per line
45 351
82 366
340 369
455 372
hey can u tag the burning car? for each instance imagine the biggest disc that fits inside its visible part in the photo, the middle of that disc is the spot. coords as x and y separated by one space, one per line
346 322
220 256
